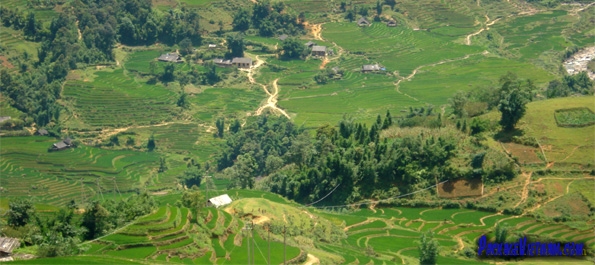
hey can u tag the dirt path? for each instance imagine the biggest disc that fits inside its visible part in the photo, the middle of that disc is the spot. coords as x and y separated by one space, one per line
409 77
487 27
272 100
324 62
574 12
312 260
525 190
316 30
79 30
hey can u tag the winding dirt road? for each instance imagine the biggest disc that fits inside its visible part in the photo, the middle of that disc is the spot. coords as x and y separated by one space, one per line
271 102
487 27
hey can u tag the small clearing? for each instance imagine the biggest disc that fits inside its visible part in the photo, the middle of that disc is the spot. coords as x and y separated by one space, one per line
312 260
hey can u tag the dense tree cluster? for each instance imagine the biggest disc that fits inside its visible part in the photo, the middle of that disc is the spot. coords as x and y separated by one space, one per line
353 156
85 36
60 234
269 19
578 84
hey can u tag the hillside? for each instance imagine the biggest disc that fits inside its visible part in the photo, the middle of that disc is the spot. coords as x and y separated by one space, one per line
352 147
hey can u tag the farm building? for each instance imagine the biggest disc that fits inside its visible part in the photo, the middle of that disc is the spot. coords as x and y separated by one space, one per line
283 37
42 132
64 144
242 62
4 118
222 62
363 22
391 23
319 50
7 245
170 57
212 46
370 68
309 44
219 201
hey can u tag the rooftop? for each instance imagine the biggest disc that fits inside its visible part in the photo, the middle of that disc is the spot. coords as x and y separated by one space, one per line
220 200
319 48
169 57
283 37
241 60
7 244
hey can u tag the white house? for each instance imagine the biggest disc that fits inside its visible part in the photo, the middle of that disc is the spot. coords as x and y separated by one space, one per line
219 201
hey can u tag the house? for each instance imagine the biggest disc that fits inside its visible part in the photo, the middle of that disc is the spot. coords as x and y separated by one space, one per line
309 44
283 37
212 46
4 118
370 68
64 144
319 50
42 132
242 62
363 22
219 201
7 245
170 57
222 62
391 23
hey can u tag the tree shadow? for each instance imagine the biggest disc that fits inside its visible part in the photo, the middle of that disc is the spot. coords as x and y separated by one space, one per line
505 136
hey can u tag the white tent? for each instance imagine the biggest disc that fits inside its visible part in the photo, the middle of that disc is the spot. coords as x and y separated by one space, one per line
219 201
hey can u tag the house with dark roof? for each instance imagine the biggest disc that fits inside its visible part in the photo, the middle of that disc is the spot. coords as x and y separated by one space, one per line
370 68
283 37
363 22
42 132
222 62
170 57
319 50
7 245
309 44
242 62
391 23
64 144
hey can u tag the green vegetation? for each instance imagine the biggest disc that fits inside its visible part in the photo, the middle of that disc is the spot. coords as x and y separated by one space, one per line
469 94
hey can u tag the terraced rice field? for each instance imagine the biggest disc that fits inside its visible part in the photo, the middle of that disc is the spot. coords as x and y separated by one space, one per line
116 100
28 169
396 238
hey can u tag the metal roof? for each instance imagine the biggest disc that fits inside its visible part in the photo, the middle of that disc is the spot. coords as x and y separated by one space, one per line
220 200
7 244
241 60
319 49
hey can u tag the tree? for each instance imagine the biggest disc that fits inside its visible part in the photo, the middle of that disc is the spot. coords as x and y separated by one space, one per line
292 48
162 165
391 3
378 8
428 249
235 126
241 20
186 46
388 120
235 45
95 220
513 100
193 199
457 103
168 73
501 232
183 100
20 212
192 177
151 143
364 10
220 124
